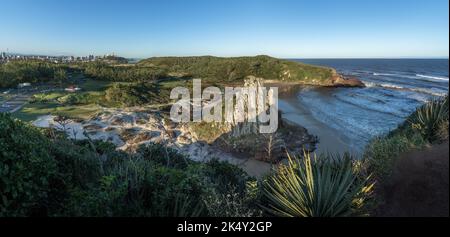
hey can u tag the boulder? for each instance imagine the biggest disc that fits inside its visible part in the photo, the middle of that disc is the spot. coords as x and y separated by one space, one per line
340 81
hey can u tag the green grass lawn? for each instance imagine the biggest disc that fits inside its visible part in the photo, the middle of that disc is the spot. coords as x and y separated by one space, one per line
32 111
95 85
87 101
175 82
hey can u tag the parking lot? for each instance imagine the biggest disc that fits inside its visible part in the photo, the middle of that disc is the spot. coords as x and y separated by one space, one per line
14 103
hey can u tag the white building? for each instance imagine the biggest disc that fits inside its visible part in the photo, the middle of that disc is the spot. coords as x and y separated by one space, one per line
22 85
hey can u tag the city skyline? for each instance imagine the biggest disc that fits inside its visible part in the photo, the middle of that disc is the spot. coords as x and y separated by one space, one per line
286 29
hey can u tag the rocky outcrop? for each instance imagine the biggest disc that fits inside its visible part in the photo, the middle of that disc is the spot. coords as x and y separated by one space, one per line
341 81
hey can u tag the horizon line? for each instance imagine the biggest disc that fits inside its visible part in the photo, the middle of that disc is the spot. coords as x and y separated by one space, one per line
201 55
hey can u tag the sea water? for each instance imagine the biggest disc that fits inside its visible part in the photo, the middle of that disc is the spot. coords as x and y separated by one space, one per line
395 88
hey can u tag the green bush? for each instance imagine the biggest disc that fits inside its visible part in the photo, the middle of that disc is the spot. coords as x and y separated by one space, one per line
383 152
20 71
225 176
426 125
317 187
164 156
233 203
136 94
427 119
26 169
60 177
80 99
129 73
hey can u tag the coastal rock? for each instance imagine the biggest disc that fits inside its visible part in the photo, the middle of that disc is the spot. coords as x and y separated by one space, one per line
122 120
92 127
129 134
340 81
145 136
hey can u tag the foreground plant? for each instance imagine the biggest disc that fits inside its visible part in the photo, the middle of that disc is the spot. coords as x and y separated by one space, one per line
317 187
428 118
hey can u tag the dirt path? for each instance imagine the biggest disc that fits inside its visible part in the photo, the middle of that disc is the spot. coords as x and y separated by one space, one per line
419 185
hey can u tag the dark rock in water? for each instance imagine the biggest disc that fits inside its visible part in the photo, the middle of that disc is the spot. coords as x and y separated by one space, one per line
340 81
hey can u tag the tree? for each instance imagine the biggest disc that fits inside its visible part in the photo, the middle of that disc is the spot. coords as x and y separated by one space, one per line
60 76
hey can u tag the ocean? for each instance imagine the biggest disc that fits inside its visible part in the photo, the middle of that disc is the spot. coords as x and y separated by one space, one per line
395 88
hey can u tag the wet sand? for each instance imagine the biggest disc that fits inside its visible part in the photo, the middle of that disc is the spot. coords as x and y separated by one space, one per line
330 140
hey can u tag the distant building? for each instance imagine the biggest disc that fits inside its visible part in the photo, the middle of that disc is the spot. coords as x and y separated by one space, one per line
22 85
72 89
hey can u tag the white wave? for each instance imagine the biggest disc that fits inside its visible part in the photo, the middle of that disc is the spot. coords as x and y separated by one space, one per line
432 77
369 84
430 92
395 75
397 87
385 74
384 85
392 86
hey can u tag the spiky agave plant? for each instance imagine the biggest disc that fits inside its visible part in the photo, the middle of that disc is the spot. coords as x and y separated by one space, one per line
429 117
317 187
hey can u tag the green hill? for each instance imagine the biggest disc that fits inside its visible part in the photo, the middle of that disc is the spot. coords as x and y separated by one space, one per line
237 68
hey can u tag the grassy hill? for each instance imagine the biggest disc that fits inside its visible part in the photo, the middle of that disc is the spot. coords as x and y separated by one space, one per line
236 69
215 70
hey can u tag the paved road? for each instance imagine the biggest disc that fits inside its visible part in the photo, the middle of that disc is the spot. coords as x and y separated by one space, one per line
14 104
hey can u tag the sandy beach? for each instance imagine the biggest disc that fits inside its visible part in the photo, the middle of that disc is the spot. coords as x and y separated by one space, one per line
330 140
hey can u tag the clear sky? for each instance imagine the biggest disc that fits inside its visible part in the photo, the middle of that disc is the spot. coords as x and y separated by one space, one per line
281 28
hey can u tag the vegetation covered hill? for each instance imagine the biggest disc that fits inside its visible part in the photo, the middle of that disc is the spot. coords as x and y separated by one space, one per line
211 69
16 72
238 68
413 161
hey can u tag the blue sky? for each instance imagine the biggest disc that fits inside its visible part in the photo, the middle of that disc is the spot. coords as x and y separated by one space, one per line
281 28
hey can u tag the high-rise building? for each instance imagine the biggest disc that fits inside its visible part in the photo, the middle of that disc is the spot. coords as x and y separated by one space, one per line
3 56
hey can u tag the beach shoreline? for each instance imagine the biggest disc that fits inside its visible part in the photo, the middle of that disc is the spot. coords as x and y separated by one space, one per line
294 112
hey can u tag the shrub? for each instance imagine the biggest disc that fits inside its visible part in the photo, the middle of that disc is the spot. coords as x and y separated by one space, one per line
232 204
164 156
382 152
54 176
39 176
32 71
317 187
136 94
26 169
225 176
79 98
427 119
